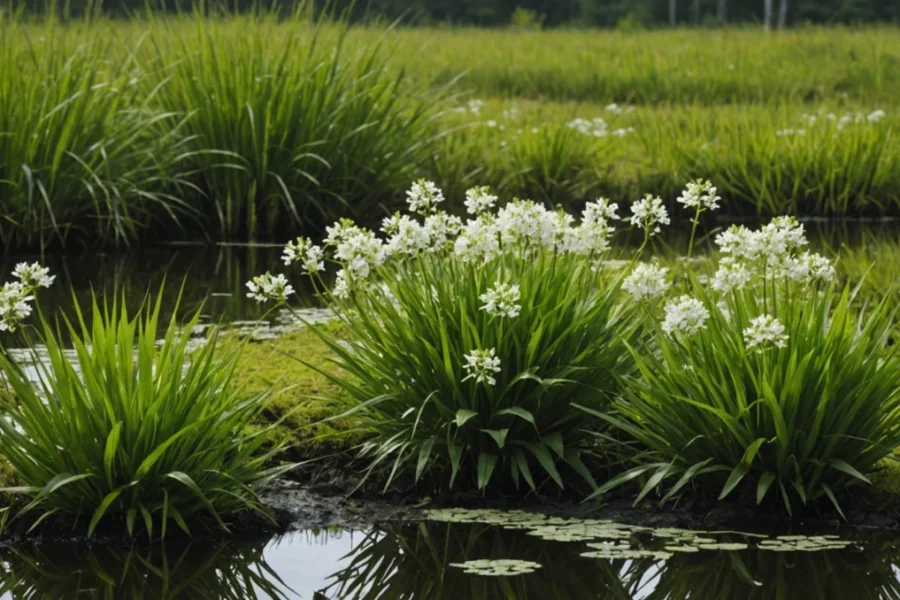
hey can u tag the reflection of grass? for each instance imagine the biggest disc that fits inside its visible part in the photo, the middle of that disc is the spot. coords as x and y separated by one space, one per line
765 575
230 571
400 562
413 561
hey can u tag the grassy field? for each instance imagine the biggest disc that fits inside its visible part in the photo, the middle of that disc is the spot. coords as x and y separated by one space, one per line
117 132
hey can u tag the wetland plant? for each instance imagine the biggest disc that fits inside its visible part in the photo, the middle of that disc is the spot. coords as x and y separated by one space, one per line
138 427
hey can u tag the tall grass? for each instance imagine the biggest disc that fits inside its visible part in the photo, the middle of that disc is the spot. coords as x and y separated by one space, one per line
251 128
83 151
289 129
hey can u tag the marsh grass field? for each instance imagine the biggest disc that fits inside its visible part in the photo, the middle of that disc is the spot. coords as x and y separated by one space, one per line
267 272
250 128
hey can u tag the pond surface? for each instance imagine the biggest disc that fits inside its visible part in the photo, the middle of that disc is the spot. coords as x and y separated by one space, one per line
534 557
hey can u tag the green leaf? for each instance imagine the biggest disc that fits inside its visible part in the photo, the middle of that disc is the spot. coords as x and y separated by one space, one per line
546 461
101 510
486 464
520 412
463 416
845 467
742 468
554 441
424 455
499 435
762 488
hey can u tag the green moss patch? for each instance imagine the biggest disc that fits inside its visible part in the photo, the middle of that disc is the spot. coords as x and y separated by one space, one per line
300 395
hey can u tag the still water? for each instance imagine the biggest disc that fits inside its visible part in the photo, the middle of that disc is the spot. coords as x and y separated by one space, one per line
442 560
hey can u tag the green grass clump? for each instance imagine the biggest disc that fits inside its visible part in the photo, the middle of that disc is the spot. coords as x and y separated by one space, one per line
287 127
134 432
84 155
783 387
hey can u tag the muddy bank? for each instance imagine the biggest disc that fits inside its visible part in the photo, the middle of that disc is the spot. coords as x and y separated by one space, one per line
334 504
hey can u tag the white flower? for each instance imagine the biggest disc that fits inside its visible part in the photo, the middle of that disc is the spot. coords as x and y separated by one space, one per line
269 287
730 276
14 305
808 267
441 228
478 241
34 275
423 197
685 315
763 331
408 238
357 249
876 116
646 281
341 288
475 106
314 261
302 249
699 194
648 213
482 365
502 300
479 200
596 127
770 244
600 211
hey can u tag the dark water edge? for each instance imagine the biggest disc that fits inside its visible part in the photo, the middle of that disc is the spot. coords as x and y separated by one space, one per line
427 560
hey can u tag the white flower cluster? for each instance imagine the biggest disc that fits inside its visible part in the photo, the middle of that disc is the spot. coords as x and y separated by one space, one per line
269 287
764 332
424 197
520 228
684 315
473 106
842 121
304 251
502 300
479 200
619 110
649 213
647 281
482 365
771 252
597 128
16 296
700 195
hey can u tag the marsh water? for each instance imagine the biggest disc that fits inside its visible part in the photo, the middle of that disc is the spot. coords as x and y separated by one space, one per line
444 560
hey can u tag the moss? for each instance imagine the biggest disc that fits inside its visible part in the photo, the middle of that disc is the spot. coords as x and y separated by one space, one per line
300 395
886 480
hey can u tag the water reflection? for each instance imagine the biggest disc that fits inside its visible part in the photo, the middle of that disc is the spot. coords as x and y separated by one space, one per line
416 561
230 571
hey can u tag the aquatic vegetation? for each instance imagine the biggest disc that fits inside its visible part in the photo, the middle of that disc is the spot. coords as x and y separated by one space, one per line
766 378
141 430
497 568
468 342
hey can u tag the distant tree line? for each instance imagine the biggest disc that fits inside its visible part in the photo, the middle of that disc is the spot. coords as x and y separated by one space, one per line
532 13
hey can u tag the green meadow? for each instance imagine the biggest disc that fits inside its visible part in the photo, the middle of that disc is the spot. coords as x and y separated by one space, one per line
250 128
